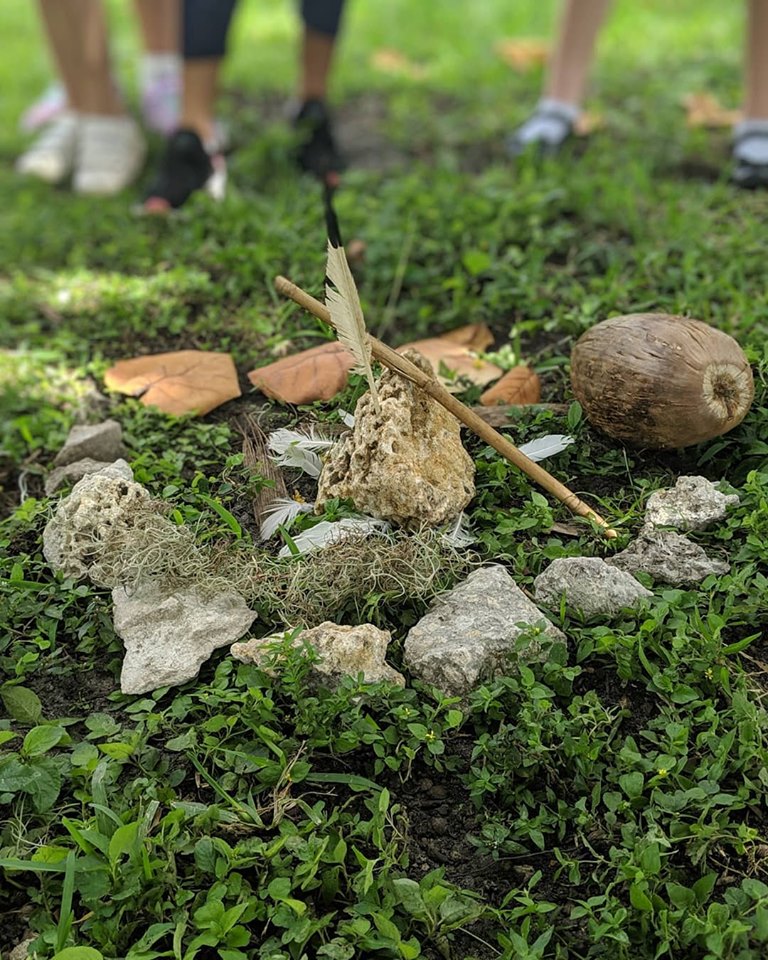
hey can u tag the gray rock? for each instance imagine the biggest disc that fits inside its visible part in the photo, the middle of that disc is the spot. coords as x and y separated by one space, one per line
169 634
590 585
81 468
668 557
405 463
694 503
21 950
98 441
86 520
342 651
470 632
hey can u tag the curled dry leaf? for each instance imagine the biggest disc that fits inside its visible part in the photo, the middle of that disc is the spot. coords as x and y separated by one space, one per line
185 381
457 350
523 53
396 63
705 110
519 386
588 122
316 374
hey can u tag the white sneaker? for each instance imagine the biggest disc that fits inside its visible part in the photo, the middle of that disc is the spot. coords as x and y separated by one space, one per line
110 154
52 156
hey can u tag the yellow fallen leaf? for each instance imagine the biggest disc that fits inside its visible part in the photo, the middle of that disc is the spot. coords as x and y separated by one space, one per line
705 110
523 53
392 61
184 381
588 122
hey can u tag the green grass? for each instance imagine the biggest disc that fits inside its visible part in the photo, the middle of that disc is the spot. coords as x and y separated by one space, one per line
608 803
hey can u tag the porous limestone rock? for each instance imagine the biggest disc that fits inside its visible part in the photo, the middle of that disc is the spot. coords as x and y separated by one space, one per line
169 634
590 585
98 441
88 517
405 463
668 557
21 950
471 631
81 468
342 651
694 503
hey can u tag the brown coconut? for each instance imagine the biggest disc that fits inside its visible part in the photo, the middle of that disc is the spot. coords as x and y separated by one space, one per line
659 381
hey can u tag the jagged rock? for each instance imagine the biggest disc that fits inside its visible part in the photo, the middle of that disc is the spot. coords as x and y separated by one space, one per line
692 504
668 557
342 651
98 441
589 585
470 632
21 950
81 468
169 634
405 464
88 517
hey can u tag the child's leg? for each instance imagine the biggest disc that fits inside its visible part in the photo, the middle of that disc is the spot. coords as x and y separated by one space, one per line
160 63
552 122
751 135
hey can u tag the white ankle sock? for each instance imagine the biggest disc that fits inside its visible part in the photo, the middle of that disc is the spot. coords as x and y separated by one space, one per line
158 66
550 123
751 144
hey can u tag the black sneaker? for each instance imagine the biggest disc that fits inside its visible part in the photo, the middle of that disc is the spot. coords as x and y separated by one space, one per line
186 166
317 152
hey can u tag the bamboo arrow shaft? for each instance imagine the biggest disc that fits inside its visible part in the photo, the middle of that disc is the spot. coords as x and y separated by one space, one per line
468 417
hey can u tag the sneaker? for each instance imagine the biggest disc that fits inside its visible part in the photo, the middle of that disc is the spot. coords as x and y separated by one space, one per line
52 156
550 126
186 166
750 155
317 152
161 83
110 154
47 108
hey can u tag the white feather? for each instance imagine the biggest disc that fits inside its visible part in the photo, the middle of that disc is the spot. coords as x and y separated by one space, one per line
298 450
547 446
348 419
326 532
281 513
459 535
343 302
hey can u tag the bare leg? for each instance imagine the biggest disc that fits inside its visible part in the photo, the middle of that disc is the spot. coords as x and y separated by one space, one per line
77 33
756 66
316 59
160 22
201 83
572 59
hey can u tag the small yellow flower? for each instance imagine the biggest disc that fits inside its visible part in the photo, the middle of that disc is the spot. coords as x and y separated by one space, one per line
708 673
431 735
662 771
298 497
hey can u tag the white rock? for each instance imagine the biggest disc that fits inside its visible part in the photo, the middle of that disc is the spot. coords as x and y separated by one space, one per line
405 464
169 634
470 632
21 950
86 519
342 651
668 557
81 468
98 441
590 585
694 503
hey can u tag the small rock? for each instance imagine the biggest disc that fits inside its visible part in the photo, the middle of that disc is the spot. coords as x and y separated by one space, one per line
98 441
169 634
342 651
470 632
88 517
405 464
589 585
692 504
21 950
668 557
81 468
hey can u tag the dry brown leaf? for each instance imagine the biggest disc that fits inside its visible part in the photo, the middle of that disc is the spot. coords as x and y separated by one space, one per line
705 110
588 122
520 385
457 350
185 381
396 63
316 374
523 53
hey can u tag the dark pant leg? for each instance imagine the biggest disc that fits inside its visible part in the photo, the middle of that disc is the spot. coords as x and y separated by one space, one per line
322 16
205 25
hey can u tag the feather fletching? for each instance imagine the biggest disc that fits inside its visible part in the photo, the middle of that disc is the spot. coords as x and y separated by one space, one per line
299 450
327 532
281 513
